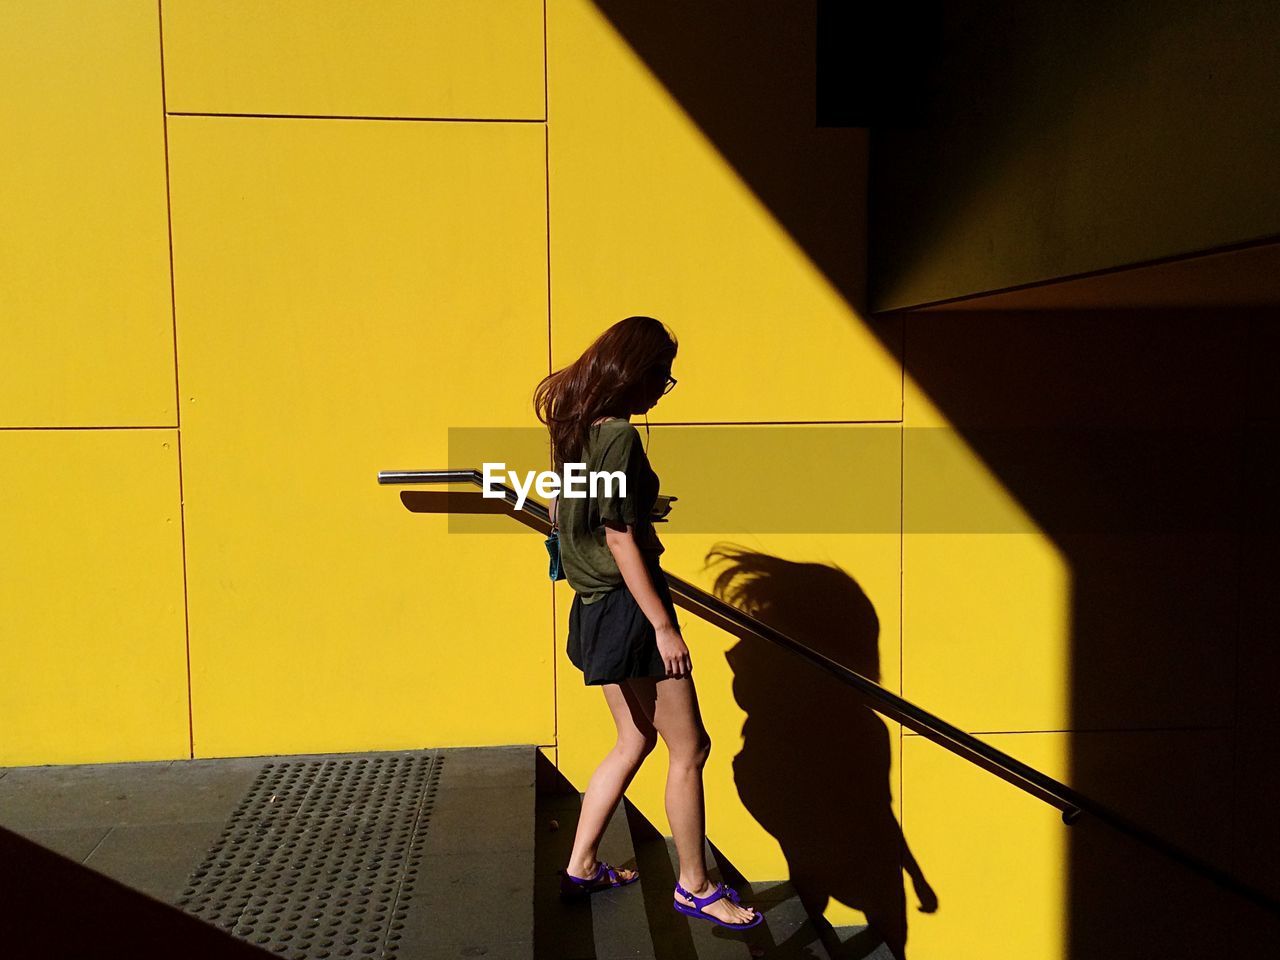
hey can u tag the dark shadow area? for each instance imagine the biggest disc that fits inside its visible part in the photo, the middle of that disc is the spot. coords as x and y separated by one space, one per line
559 929
815 764
925 178
1122 112
52 907
1241 276
1142 444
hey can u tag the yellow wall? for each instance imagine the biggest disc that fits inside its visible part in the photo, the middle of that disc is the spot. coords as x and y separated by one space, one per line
93 659
93 662
84 249
245 267
264 251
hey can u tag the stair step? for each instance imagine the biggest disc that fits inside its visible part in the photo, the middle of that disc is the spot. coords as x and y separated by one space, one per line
791 932
562 931
638 922
611 924
675 936
619 918
787 930
475 891
709 939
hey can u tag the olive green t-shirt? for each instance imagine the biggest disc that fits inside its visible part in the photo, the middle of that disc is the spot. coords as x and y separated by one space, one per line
613 445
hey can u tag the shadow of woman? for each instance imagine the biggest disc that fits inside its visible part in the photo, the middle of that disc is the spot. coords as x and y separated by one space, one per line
815 763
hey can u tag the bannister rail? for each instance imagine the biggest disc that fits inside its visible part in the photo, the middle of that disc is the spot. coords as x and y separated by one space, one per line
709 607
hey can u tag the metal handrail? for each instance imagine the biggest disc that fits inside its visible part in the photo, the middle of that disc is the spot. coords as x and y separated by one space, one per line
1070 802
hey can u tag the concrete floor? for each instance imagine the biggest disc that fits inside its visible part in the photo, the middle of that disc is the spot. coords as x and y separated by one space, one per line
150 825
145 824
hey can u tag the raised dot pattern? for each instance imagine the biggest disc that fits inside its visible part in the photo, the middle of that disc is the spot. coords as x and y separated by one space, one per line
320 857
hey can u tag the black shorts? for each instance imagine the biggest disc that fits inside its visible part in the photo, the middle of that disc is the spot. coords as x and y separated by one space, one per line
611 640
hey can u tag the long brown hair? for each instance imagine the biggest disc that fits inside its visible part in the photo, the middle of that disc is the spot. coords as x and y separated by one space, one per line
606 379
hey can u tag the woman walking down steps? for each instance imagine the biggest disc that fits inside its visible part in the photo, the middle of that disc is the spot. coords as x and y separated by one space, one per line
623 631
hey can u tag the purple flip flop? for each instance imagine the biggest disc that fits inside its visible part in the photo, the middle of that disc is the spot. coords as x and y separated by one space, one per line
606 878
720 891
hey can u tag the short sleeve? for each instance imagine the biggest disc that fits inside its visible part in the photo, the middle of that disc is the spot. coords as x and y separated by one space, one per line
624 454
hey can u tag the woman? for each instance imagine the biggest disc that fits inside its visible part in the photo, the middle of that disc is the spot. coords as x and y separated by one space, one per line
623 633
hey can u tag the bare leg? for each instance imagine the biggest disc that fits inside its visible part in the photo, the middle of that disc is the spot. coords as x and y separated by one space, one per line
672 704
636 739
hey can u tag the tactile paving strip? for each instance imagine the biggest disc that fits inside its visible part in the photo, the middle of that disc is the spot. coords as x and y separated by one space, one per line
320 858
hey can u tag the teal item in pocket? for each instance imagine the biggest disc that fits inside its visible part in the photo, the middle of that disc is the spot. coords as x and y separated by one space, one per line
553 548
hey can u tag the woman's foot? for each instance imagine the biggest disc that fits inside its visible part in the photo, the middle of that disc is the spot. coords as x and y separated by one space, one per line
587 872
723 909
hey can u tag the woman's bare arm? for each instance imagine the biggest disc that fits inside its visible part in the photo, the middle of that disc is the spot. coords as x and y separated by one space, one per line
626 553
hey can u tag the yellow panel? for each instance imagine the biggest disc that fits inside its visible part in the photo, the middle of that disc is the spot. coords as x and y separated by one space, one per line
85 311
987 629
93 661
392 58
347 292
801 775
995 857
648 218
986 597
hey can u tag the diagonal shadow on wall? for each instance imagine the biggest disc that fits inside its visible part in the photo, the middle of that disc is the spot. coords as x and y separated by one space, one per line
1170 565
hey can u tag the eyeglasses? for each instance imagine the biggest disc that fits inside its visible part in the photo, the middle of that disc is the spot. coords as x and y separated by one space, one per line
671 382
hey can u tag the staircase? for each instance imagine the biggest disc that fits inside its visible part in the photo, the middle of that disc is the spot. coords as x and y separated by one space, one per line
637 921
411 855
